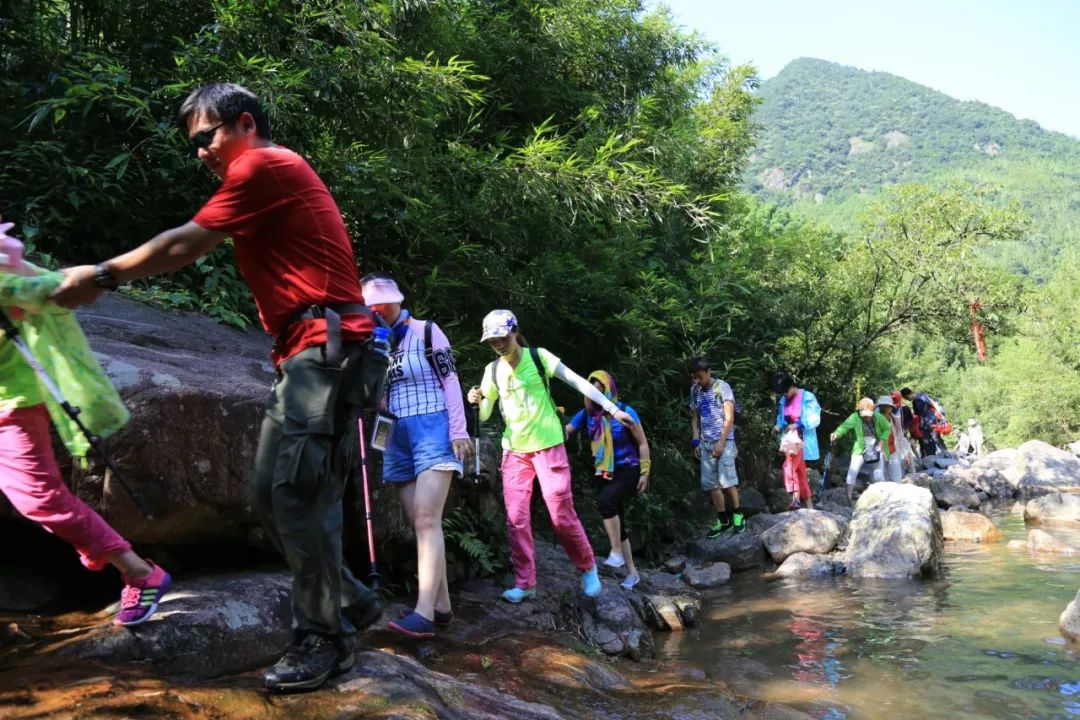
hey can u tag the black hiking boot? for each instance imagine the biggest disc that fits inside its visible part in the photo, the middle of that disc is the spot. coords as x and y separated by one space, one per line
309 663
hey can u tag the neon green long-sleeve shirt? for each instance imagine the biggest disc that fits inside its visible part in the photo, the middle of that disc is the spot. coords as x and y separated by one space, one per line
57 342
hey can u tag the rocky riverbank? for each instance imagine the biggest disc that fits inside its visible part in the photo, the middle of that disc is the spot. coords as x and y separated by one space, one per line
201 657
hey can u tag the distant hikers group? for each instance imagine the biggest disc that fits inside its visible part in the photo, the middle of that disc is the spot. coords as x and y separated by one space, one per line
344 347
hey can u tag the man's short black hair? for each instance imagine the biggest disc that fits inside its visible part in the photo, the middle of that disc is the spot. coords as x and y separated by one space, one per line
782 382
698 364
906 393
226 102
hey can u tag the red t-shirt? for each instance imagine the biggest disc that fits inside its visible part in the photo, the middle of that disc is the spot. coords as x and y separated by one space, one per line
291 244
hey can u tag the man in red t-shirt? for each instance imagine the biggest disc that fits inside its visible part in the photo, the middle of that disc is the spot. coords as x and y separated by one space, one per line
293 250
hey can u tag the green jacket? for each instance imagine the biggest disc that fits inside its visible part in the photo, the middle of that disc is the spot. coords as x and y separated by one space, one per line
57 342
854 423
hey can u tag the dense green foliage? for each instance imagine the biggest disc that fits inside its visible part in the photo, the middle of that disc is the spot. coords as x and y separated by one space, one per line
815 114
579 161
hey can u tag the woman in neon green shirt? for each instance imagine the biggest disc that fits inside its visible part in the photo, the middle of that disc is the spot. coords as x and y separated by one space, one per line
29 475
533 446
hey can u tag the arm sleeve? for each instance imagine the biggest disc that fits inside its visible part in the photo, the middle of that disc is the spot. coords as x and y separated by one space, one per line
28 292
489 387
780 413
447 370
583 386
811 412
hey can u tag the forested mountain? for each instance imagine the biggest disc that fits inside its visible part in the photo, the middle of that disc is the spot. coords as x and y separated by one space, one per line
831 136
833 140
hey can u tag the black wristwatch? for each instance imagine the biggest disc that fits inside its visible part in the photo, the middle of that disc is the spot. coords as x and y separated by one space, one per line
103 278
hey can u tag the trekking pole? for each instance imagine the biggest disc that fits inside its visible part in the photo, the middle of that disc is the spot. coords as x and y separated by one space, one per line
476 445
825 471
373 574
71 411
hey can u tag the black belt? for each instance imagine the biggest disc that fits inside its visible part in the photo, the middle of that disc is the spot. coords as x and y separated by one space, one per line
332 314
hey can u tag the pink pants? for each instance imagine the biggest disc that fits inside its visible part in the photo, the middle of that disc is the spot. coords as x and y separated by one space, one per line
31 480
552 468
795 475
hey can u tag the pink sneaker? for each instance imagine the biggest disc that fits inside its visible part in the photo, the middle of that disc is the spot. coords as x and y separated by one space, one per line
140 597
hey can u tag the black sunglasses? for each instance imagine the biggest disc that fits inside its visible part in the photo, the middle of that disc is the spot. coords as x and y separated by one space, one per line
204 138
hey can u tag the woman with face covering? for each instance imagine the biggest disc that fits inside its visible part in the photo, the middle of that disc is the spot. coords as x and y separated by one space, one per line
428 445
533 447
29 475
621 458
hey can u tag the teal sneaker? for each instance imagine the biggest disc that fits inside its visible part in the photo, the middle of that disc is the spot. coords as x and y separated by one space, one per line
515 594
590 582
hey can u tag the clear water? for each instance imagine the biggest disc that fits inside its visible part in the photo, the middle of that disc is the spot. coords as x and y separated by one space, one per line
979 642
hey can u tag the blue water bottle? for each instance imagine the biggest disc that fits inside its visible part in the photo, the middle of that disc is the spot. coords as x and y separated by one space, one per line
380 340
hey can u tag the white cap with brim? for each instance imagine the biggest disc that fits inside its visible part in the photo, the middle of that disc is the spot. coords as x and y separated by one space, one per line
497 324
381 291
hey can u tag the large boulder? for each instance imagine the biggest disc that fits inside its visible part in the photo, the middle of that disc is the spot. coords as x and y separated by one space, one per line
805 565
895 533
707 576
968 526
205 627
808 531
1042 542
987 480
1069 622
741 552
1053 509
1040 468
948 492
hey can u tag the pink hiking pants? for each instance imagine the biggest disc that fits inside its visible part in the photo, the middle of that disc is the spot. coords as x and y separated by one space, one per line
552 468
31 480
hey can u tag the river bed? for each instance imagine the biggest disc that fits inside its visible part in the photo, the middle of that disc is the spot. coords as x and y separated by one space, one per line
981 641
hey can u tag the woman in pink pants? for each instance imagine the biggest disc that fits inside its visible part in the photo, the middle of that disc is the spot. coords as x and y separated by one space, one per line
30 477
533 447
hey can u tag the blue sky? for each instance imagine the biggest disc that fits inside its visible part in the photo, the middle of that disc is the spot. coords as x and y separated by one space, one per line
1020 55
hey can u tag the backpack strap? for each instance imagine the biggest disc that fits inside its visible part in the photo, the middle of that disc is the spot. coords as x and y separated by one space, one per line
429 352
534 353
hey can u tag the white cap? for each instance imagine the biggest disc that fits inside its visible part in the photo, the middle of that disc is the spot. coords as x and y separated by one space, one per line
381 290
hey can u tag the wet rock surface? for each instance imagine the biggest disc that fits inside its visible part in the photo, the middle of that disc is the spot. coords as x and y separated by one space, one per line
1053 509
806 565
742 552
203 655
968 527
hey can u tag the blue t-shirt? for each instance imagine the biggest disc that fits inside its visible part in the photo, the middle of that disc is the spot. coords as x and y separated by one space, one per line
709 404
626 450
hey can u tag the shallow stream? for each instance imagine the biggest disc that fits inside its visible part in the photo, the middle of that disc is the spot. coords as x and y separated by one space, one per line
979 642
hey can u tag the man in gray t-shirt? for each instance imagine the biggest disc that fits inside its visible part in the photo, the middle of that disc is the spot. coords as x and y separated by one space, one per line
712 425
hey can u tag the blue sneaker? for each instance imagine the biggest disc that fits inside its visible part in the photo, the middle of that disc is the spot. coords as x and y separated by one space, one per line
515 594
590 582
414 625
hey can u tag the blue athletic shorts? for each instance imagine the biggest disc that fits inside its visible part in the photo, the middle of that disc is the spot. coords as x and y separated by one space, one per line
419 443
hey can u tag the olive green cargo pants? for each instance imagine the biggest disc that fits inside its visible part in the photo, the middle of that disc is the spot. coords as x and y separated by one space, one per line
298 488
